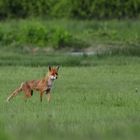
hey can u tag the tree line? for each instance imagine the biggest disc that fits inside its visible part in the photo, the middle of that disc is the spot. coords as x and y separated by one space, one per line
79 9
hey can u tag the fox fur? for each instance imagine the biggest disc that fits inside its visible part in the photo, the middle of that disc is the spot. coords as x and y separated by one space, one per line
43 86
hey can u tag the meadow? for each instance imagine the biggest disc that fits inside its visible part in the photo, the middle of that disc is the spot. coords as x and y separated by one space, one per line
95 97
100 101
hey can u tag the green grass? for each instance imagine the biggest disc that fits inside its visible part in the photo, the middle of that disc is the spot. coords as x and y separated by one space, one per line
98 102
20 57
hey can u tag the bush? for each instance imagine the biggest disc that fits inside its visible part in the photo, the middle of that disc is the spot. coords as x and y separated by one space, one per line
34 33
37 34
61 38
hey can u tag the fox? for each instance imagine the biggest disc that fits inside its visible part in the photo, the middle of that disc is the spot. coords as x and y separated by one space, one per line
43 85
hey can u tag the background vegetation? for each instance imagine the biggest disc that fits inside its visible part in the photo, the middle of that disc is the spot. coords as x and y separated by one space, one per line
85 9
73 25
111 37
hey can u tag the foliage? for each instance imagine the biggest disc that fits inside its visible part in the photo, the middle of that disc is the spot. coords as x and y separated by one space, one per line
103 37
37 34
112 37
86 9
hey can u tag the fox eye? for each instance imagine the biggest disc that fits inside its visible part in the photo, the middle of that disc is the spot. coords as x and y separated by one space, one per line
54 74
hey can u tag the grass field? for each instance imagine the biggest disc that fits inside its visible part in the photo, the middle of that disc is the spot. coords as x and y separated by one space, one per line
97 102
95 97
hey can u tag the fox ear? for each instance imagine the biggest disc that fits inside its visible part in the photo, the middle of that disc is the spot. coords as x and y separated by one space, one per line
57 68
50 68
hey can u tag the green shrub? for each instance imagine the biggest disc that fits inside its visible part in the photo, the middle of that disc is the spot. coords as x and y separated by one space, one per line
61 38
37 34
8 36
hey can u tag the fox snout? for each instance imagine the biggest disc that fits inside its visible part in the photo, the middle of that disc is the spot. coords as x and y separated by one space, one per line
52 77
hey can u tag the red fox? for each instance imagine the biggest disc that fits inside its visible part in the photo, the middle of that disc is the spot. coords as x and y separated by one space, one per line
43 85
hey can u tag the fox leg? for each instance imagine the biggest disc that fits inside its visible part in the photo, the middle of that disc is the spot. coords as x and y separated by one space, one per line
48 95
41 94
27 95
27 91
16 92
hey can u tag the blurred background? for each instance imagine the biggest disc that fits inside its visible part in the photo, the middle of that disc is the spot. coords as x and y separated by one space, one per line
67 28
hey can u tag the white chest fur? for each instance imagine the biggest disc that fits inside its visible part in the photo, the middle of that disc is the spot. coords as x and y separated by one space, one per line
50 83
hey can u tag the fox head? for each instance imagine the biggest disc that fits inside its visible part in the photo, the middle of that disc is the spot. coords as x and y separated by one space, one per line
53 72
